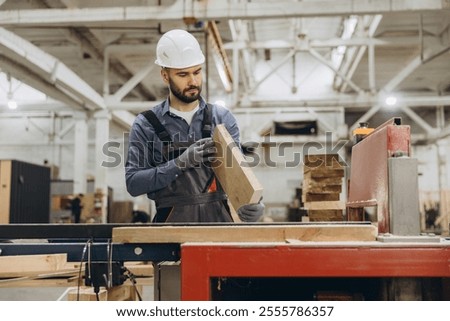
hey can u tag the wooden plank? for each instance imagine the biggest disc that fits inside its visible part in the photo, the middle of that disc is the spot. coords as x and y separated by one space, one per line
86 294
325 215
326 189
5 191
22 265
27 282
322 181
329 205
121 293
323 172
322 160
444 218
230 167
140 268
133 295
117 293
315 197
70 274
239 233
234 214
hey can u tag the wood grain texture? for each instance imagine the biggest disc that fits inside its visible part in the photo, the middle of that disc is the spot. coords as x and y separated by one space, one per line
232 171
117 293
5 191
23 265
239 233
325 215
325 205
319 197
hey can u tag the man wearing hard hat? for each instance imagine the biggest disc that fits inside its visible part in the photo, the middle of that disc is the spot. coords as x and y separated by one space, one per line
170 145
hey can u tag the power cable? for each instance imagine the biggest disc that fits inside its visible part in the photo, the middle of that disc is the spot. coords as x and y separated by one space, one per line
88 244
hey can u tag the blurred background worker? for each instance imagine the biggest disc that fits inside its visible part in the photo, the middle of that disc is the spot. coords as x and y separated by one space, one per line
76 206
170 147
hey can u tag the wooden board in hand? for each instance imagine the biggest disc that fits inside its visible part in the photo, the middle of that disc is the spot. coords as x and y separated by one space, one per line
233 171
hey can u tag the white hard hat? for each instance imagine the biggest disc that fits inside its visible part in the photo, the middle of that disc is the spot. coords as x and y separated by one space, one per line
178 49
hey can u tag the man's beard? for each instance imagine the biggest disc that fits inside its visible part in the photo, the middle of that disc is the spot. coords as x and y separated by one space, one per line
181 94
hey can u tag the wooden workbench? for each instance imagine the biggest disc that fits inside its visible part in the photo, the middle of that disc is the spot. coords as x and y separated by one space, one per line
244 233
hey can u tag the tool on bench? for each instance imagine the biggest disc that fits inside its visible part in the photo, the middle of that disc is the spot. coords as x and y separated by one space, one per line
362 131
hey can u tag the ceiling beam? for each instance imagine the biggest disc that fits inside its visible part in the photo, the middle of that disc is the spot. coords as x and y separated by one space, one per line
349 69
419 120
132 82
48 69
89 43
329 64
304 45
363 101
350 101
36 81
220 56
214 10
425 56
271 72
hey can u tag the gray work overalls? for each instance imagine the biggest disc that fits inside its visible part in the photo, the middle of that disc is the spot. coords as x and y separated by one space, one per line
194 196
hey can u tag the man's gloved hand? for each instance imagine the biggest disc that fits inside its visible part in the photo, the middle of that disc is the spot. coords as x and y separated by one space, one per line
251 212
199 152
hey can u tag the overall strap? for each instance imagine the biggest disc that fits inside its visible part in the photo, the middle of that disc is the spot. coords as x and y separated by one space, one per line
162 133
190 199
160 130
171 149
207 121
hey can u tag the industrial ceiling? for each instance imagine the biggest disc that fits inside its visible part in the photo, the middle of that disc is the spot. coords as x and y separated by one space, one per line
349 54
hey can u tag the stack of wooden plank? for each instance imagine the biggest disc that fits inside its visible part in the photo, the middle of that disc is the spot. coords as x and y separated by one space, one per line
322 186
53 270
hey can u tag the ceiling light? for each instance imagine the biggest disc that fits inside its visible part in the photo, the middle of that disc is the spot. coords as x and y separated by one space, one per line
12 104
391 100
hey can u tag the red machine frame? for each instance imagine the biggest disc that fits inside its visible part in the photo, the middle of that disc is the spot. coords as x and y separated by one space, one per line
200 262
368 187
369 171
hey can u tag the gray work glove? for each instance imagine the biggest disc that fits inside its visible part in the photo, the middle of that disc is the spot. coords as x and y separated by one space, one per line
251 212
199 152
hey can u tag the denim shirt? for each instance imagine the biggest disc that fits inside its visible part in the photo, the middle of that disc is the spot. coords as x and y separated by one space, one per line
145 170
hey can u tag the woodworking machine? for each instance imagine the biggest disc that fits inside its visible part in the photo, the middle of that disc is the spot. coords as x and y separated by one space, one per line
384 177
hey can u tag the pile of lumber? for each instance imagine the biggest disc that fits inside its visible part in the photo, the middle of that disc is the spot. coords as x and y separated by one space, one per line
322 186
53 270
